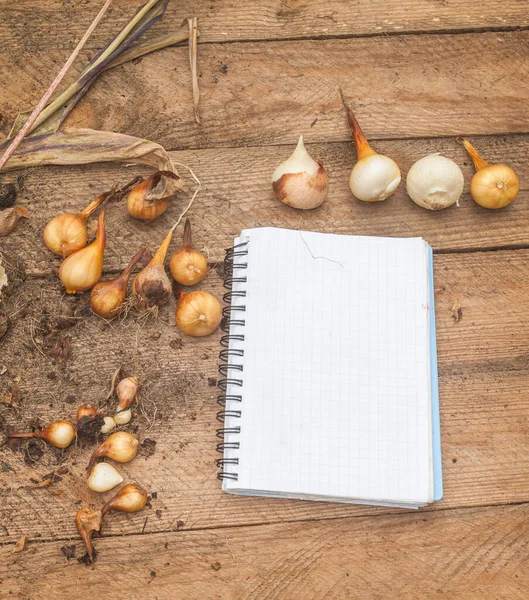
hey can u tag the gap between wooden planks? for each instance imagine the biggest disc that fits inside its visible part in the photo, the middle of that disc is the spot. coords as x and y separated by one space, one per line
483 363
237 193
266 93
465 553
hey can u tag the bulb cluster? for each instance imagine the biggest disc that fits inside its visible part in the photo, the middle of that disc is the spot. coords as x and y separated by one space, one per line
433 182
197 314
120 447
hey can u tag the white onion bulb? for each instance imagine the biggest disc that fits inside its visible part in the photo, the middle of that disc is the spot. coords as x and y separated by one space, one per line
374 178
435 182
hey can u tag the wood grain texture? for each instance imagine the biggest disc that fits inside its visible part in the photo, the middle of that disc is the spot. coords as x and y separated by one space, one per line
255 94
225 21
450 555
237 194
483 364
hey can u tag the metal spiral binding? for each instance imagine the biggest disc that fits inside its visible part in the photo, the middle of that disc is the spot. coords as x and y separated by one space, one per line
232 316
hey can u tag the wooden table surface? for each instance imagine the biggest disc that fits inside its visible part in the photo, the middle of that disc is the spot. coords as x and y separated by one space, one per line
418 73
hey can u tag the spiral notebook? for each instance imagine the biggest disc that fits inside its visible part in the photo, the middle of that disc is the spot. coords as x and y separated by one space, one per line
329 388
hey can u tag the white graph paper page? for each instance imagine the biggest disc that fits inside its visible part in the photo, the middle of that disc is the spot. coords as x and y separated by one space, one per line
336 389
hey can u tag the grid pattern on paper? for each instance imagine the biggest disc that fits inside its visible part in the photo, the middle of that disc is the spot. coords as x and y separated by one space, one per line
336 386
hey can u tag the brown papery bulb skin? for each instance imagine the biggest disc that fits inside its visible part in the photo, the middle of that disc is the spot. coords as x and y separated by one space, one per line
126 390
66 233
198 313
120 446
151 286
492 186
87 521
86 410
130 498
10 217
81 270
107 297
188 266
140 206
59 434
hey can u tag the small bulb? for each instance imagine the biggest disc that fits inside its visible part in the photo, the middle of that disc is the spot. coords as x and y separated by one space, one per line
66 233
374 177
300 181
108 425
123 417
126 390
81 270
188 266
130 498
151 287
120 446
59 434
435 182
198 313
87 521
492 186
107 297
86 410
103 477
144 201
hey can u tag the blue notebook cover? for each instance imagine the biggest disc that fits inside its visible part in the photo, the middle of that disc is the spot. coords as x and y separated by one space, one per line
436 419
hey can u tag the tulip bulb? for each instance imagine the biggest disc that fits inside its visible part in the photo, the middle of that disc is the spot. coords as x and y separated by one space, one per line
142 200
120 446
198 313
130 498
151 287
435 182
66 233
126 390
123 417
108 425
188 266
374 177
81 270
10 217
59 434
103 477
107 297
87 521
300 181
86 410
492 186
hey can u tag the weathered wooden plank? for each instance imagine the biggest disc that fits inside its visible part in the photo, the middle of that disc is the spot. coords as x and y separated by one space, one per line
224 21
483 364
266 93
476 553
237 194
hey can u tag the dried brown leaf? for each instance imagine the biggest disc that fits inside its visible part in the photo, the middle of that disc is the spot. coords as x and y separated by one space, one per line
86 146
21 544
9 219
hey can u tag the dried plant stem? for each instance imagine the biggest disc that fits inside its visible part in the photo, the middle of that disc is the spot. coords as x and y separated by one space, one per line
142 48
55 83
190 203
193 62
62 105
